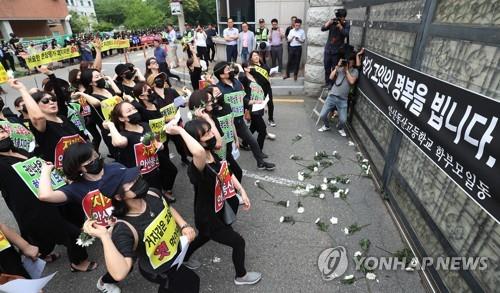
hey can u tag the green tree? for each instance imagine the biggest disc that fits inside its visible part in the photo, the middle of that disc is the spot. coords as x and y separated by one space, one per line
111 11
140 15
80 23
103 26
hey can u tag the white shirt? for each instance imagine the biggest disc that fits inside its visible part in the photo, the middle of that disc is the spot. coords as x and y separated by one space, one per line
172 36
200 39
232 33
300 34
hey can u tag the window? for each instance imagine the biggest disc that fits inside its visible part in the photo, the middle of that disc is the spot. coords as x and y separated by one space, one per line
90 3
81 2
242 10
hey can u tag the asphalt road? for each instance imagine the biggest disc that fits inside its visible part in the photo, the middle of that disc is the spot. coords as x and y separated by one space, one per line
286 254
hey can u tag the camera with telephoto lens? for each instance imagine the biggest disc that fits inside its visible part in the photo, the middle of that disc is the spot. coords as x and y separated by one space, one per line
335 21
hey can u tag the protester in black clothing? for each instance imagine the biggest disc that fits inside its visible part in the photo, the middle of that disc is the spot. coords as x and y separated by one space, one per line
260 72
152 67
164 97
40 223
10 259
194 67
141 211
215 187
126 76
211 32
338 36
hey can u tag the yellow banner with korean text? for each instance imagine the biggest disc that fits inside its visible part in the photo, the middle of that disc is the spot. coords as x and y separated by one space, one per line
49 56
114 44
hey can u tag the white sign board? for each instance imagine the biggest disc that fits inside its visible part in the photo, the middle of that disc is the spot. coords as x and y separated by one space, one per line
176 8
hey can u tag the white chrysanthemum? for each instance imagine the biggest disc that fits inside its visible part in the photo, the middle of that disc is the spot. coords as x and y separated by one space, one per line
346 230
324 187
318 164
367 170
325 180
357 253
300 176
316 154
371 276
334 220
256 183
282 219
291 156
315 169
287 203
321 195
365 161
350 143
346 191
317 221
336 194
300 210
349 277
309 187
334 153
347 181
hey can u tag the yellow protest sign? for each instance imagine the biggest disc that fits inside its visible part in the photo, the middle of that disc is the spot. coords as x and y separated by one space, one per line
161 238
168 112
3 74
114 44
157 128
4 243
108 105
49 56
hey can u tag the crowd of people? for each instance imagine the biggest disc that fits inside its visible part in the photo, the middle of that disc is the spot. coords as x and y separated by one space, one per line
77 113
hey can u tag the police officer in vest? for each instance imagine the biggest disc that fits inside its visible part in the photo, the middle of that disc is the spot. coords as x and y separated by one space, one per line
261 38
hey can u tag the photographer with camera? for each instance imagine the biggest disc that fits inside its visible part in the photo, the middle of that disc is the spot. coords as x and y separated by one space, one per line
200 38
338 38
343 76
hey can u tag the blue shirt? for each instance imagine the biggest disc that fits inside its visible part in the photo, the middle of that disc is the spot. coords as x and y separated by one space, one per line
160 55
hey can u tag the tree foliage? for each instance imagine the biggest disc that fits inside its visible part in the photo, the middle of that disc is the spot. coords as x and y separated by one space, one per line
80 23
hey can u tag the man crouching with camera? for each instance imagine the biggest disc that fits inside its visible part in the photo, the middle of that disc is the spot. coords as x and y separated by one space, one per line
343 76
338 37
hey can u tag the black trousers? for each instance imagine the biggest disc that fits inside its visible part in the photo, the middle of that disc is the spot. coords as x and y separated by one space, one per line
180 146
234 167
10 263
257 124
168 171
330 60
164 68
226 236
294 56
270 106
182 280
245 134
211 51
231 53
203 54
92 128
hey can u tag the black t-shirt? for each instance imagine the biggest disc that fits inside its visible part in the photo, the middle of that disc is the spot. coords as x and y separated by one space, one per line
96 113
123 237
206 218
170 95
21 201
146 114
127 154
126 90
195 75
47 141
262 80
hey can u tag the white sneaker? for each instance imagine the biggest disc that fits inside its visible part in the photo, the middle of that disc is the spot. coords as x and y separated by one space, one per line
249 279
342 132
323 128
107 287
271 136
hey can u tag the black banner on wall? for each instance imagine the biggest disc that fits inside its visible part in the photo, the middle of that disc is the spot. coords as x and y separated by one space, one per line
456 128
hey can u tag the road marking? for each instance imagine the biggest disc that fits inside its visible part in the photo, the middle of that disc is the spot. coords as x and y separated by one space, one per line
289 100
272 179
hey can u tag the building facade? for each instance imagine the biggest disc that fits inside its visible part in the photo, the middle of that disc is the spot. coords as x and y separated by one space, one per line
82 7
27 18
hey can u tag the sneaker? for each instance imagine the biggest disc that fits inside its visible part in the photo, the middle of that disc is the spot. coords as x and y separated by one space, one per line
107 287
342 132
272 123
192 264
264 156
266 166
323 128
271 136
249 279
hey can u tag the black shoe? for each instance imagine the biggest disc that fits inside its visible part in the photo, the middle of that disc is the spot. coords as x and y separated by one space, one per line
266 166
264 156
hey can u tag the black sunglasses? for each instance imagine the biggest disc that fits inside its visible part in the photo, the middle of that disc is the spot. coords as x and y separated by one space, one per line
46 100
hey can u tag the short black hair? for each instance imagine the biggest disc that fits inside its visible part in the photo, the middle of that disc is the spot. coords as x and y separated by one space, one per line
74 156
198 98
197 128
298 20
18 101
219 68
274 20
40 94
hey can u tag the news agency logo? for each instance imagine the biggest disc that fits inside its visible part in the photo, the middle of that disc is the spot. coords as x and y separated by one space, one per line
333 263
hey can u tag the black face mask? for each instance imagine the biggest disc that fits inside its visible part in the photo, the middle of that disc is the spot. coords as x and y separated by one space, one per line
101 83
159 83
129 75
210 144
135 118
140 188
95 166
5 144
23 109
231 75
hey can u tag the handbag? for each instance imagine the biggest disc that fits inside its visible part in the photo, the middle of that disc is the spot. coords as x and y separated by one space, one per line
228 214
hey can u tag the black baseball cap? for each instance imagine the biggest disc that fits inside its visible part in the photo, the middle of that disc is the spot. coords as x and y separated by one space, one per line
114 177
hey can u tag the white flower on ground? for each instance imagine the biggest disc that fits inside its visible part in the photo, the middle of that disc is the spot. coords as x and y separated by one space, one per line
371 276
316 154
367 170
333 181
334 153
287 203
321 195
291 156
318 164
300 210
317 221
349 277
347 181
324 187
309 187
315 169
282 219
350 143
325 180
300 176
346 230
334 220
256 183
358 253
215 259
336 194
409 269
346 191
365 161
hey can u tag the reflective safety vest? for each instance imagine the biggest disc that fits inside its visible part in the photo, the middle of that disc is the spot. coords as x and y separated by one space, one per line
261 35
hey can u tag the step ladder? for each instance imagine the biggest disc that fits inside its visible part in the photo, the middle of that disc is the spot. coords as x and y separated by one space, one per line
320 102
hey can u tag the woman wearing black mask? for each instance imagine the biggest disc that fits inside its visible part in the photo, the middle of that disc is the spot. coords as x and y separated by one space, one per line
215 187
164 96
149 112
137 144
40 223
126 77
141 211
